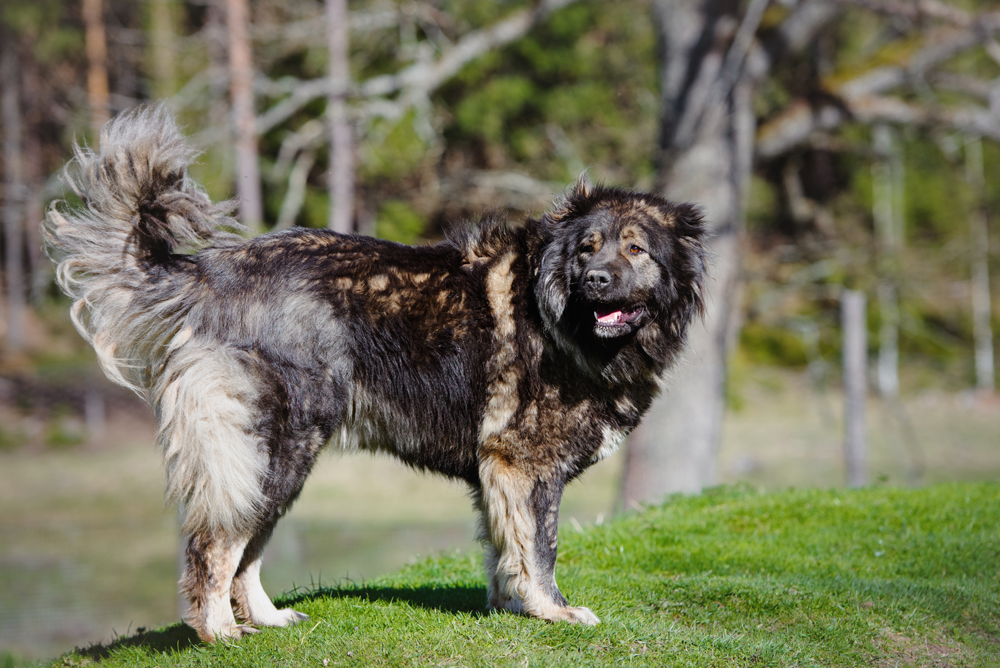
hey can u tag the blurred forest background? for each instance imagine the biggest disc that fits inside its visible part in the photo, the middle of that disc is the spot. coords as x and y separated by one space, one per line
837 147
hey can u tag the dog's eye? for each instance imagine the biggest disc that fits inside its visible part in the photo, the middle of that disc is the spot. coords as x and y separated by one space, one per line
587 248
635 250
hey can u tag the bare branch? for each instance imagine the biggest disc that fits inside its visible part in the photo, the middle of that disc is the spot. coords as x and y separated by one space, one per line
309 136
801 122
312 32
802 25
940 48
863 97
916 11
477 189
420 79
993 50
295 196
967 85
740 47
303 94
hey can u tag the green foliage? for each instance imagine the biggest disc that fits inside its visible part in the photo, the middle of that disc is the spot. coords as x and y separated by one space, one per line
316 209
397 221
733 577
488 111
936 198
47 26
8 660
780 346
392 150
589 71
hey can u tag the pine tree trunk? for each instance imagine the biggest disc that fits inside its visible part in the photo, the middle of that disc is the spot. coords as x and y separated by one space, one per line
341 184
14 192
244 116
97 65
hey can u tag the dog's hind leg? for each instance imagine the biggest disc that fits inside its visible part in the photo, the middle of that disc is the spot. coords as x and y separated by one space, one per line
217 461
293 453
250 602
212 561
520 517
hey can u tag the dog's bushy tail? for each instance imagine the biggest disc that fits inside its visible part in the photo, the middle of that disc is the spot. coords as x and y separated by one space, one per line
120 256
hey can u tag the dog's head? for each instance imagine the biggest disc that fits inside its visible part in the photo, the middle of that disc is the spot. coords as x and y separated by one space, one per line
620 273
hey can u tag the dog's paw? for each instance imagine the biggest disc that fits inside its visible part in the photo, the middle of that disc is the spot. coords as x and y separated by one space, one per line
232 632
581 615
283 617
294 616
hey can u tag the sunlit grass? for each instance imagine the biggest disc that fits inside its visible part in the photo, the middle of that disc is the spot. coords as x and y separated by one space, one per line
88 550
873 577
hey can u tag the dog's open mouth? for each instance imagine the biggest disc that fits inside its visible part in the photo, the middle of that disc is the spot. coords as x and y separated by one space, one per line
614 321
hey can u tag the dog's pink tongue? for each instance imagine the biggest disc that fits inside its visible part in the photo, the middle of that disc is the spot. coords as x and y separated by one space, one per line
609 318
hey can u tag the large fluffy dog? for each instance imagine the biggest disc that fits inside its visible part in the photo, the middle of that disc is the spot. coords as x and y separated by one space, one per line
510 357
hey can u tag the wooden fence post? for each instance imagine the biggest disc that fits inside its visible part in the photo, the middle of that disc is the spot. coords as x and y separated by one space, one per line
855 352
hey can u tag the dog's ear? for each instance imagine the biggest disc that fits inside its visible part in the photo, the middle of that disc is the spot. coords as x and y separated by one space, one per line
688 221
576 202
691 261
583 186
553 287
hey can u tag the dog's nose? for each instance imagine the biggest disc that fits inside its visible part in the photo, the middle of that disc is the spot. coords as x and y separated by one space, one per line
598 278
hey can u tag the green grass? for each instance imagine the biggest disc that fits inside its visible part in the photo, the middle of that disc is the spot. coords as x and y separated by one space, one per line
734 577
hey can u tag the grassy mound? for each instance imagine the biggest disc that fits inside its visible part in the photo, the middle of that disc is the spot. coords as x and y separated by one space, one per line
875 577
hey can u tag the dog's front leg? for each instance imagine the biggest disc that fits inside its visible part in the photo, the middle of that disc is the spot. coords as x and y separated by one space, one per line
520 518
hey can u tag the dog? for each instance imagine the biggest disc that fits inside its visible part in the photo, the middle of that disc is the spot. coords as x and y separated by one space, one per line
512 357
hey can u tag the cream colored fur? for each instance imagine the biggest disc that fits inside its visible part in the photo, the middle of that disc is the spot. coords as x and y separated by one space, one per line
215 463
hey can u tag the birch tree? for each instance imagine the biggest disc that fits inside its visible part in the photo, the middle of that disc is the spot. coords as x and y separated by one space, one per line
887 196
979 243
251 207
341 183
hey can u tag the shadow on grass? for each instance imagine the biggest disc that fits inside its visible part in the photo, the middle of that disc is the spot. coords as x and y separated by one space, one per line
452 599
172 639
179 637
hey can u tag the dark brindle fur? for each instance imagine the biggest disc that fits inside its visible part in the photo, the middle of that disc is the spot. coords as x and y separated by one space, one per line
510 357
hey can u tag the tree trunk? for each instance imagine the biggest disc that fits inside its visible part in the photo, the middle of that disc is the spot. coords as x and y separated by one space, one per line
712 64
706 147
341 183
39 269
855 357
14 191
244 117
97 65
980 245
161 47
887 199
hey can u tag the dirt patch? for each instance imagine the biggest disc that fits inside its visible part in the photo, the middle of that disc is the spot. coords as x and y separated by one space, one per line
904 650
